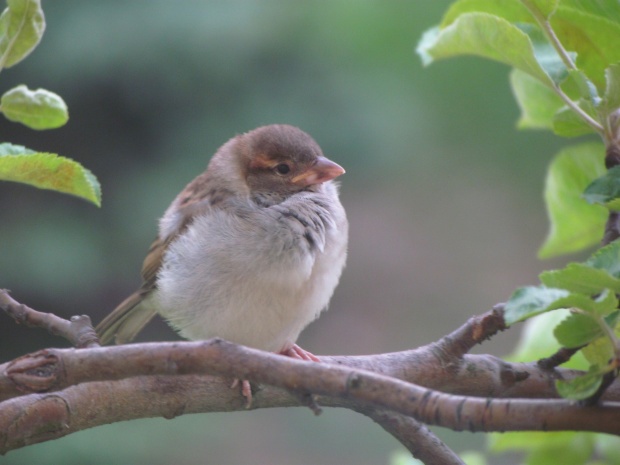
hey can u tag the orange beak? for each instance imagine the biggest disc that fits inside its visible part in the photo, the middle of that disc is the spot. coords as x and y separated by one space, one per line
323 170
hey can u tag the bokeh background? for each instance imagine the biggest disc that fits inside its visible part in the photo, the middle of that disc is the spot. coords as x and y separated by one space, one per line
443 193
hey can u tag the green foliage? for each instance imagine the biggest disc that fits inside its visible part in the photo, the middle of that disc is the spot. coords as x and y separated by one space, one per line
589 290
574 223
38 109
565 78
21 27
605 190
491 37
581 387
538 103
48 171
530 301
564 56
567 448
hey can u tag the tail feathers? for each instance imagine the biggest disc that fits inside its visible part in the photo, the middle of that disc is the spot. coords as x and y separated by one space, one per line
126 320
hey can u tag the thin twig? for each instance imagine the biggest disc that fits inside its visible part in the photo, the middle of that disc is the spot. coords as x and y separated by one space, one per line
563 355
78 331
476 330
423 444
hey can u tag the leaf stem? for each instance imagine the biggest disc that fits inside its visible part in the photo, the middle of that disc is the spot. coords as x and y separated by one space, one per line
544 24
555 42
582 114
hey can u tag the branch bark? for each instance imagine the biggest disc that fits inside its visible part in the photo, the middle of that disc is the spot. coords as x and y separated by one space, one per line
55 392
167 385
78 331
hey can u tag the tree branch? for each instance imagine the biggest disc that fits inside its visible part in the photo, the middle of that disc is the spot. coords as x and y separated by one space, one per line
55 392
91 403
79 331
415 436
477 329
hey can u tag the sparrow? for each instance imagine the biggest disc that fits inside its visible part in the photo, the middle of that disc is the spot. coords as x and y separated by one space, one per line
250 251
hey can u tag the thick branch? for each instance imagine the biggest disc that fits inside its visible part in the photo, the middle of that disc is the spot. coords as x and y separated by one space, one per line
479 375
95 403
89 387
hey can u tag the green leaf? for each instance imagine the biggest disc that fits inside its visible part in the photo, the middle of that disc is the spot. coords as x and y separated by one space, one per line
595 39
581 387
545 7
612 89
538 103
565 447
612 95
566 123
599 352
611 319
48 171
511 11
577 452
545 53
577 330
488 36
607 258
581 278
608 9
587 89
608 447
21 27
531 440
528 301
605 190
575 224
602 305
534 341
39 109
471 457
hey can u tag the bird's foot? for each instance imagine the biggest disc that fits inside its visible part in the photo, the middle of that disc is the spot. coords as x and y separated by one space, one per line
246 390
300 354
294 352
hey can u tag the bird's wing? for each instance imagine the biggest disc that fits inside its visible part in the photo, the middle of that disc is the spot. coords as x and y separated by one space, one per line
129 317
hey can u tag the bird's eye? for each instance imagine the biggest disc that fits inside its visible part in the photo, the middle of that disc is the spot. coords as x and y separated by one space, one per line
283 168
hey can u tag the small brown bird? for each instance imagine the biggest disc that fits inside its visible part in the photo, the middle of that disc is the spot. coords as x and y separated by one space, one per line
250 251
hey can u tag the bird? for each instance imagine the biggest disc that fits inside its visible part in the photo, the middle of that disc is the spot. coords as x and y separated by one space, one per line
250 251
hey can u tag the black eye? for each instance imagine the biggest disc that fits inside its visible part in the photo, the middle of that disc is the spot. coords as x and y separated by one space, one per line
283 168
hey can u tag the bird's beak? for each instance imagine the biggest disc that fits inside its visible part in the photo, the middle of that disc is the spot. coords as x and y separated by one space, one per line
323 170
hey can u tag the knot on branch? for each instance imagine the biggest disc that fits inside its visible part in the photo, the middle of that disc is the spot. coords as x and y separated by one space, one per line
84 333
509 376
38 372
354 381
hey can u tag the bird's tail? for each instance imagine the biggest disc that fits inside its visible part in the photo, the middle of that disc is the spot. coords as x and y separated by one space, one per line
126 320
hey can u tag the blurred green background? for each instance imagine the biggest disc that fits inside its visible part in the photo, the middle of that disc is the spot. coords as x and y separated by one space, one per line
443 193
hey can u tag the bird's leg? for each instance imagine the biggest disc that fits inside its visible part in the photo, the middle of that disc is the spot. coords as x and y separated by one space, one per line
300 354
294 352
246 390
